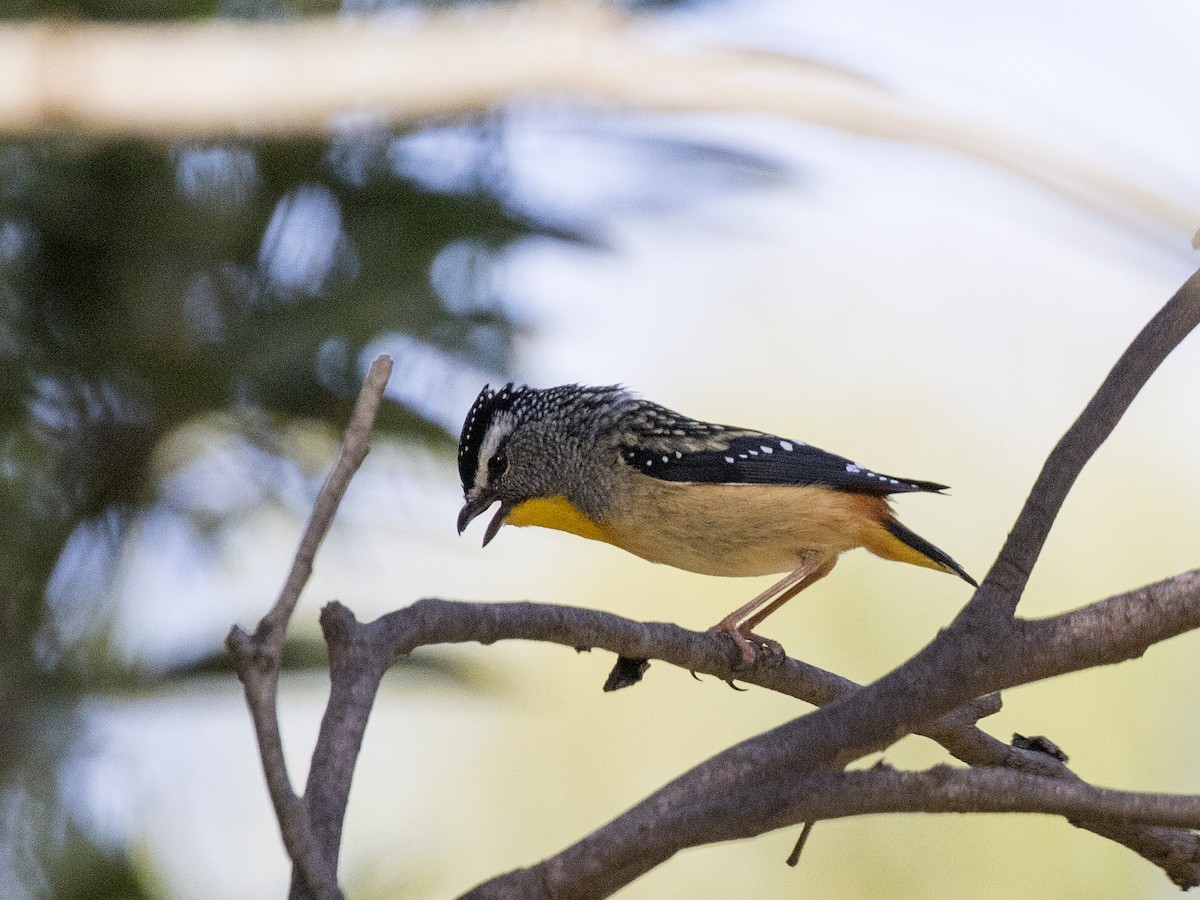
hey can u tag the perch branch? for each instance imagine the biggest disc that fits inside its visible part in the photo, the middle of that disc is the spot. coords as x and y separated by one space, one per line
431 621
784 775
980 652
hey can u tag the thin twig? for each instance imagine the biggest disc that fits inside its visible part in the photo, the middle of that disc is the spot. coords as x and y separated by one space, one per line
805 831
272 629
1005 582
258 656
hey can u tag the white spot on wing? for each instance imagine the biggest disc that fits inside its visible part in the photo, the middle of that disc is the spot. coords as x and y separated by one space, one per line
786 445
729 459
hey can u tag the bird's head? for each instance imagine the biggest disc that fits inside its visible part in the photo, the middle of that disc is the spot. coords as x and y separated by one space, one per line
520 443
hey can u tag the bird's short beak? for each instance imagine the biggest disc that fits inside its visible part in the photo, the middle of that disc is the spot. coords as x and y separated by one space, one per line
497 521
472 509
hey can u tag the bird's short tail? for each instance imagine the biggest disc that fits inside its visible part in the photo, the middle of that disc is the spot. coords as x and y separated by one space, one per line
894 541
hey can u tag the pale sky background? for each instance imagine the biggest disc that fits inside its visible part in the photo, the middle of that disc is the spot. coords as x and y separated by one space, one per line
919 312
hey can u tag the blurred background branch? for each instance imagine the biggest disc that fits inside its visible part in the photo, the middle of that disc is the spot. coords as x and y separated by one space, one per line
224 79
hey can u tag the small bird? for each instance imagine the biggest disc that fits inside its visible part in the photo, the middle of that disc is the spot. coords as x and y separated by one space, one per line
605 464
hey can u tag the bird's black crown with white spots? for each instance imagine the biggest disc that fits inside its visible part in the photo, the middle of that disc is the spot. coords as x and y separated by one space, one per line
660 443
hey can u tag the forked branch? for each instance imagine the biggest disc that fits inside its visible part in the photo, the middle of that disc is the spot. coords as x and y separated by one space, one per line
258 657
791 773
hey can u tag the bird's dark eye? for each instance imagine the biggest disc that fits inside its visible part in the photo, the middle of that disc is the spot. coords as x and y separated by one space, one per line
496 466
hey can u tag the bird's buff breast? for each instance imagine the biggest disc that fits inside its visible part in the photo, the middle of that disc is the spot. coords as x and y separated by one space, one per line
718 529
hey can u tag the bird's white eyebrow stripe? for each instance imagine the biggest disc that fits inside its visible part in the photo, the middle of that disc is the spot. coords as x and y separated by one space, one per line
500 428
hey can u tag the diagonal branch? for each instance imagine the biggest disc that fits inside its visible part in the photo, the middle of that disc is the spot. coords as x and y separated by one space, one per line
258 656
272 630
1005 582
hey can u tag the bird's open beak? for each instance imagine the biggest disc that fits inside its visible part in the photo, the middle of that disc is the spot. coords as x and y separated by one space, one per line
472 509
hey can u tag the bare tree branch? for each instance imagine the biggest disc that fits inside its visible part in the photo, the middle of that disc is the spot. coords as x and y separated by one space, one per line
1005 583
258 656
980 652
356 667
832 795
1116 629
793 772
431 621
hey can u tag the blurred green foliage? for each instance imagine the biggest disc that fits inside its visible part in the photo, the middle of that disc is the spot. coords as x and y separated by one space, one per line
143 288
147 288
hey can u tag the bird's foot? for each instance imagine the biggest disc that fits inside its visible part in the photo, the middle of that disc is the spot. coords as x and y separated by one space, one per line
751 644
773 653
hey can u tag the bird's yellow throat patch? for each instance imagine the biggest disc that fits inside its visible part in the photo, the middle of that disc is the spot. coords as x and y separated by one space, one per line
558 512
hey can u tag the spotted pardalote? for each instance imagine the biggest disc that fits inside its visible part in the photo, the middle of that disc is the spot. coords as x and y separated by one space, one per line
605 464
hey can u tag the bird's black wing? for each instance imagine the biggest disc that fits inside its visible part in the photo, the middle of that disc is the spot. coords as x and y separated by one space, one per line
761 459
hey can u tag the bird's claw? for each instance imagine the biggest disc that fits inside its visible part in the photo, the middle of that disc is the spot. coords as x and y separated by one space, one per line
751 646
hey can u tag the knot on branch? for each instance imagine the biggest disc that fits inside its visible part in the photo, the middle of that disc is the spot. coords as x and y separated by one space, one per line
249 654
337 622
